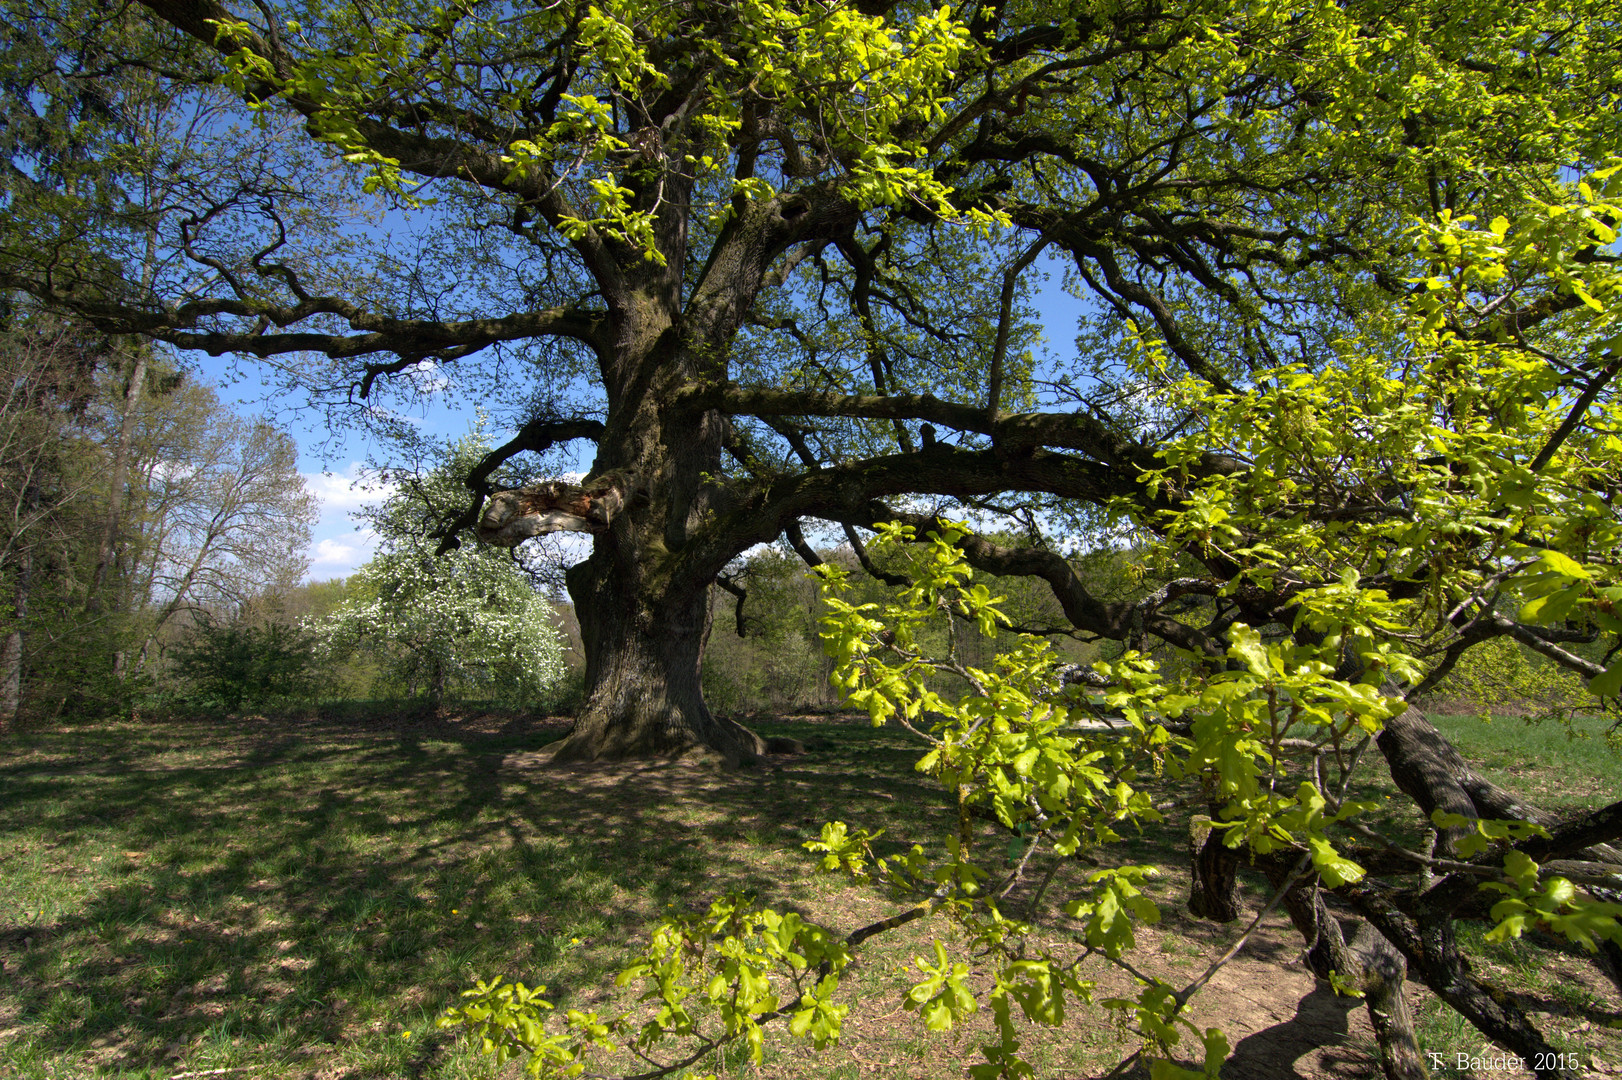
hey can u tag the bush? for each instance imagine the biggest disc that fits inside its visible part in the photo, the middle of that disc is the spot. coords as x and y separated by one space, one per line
235 665
1502 676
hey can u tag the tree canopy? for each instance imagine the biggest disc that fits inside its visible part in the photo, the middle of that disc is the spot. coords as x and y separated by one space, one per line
777 260
1346 368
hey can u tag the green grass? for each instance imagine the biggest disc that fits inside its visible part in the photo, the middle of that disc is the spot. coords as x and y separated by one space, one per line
1570 1008
1558 764
288 898
180 897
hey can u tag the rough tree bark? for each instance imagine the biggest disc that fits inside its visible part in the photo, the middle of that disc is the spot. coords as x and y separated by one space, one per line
643 623
643 650
11 647
1214 893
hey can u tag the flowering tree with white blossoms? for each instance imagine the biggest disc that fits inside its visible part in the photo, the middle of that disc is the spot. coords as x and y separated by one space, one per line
469 621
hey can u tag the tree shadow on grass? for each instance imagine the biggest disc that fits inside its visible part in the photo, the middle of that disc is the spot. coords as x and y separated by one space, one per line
308 892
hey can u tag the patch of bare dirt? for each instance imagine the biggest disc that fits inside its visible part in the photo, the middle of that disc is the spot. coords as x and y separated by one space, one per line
1280 1023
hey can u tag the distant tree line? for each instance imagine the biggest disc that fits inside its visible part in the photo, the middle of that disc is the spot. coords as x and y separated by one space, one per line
131 499
152 551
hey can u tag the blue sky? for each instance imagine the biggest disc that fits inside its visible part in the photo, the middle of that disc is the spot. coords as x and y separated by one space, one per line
331 462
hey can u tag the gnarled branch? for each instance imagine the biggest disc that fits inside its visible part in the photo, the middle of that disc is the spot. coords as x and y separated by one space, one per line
510 517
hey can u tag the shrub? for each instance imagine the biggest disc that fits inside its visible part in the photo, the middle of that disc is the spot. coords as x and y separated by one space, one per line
234 665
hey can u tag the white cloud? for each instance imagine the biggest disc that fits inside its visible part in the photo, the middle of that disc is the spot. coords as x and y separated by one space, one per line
347 490
339 557
173 471
428 377
331 552
339 548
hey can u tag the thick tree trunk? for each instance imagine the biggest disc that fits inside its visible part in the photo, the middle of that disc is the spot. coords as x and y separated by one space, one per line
1213 892
644 697
11 648
1420 927
11 672
651 500
1384 972
644 616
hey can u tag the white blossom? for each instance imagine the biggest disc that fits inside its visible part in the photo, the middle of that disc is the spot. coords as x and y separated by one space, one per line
469 621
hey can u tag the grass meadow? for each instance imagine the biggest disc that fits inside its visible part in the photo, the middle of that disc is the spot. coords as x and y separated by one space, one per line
288 898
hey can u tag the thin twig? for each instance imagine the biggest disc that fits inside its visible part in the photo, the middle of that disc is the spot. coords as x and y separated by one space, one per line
1018 872
917 911
1041 891
1346 774
1126 966
1422 860
1301 867
709 1047
1193 988
1124 1064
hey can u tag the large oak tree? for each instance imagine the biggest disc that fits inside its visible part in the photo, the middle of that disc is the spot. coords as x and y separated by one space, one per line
1346 366
776 259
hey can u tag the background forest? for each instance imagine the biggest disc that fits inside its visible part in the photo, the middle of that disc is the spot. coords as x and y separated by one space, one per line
156 545
135 504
